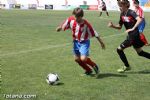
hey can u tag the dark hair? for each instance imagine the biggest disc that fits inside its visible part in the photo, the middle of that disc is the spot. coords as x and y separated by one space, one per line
78 12
136 1
124 2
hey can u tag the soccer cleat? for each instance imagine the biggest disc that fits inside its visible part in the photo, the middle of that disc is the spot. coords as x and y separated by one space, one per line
123 69
96 69
88 73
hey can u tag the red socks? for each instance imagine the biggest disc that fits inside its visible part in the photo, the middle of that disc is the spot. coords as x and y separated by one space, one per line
84 65
90 62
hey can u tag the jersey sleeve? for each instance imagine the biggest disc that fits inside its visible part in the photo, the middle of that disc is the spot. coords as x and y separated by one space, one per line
91 31
141 13
66 24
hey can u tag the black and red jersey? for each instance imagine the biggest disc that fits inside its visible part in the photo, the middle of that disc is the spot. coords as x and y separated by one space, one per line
128 19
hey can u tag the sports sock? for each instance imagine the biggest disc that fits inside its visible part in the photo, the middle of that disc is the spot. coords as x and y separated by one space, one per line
107 13
84 65
123 57
90 62
100 14
144 54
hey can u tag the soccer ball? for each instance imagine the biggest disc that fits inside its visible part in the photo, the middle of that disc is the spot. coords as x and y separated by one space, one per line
52 79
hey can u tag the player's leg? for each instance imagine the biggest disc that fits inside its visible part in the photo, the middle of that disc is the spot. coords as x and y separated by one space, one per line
107 12
100 13
142 53
83 65
77 58
138 44
122 56
91 63
84 51
143 38
141 29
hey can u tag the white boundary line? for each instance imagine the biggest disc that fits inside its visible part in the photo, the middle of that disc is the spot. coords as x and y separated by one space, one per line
49 47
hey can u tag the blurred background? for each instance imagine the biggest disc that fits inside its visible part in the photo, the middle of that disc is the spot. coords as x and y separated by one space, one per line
64 4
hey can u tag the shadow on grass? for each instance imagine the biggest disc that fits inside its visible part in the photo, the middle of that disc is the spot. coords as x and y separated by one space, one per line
104 75
139 72
58 84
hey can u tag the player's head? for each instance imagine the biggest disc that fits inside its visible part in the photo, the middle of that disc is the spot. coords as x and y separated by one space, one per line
78 13
123 4
136 3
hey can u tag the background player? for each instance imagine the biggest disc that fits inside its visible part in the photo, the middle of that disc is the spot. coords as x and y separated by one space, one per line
140 13
103 8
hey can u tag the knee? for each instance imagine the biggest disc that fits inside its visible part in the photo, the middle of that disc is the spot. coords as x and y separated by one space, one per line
83 59
119 49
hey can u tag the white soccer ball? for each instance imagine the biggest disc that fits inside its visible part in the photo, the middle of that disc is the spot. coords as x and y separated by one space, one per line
52 79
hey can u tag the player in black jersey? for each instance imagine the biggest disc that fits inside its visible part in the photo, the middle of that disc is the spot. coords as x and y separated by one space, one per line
103 8
130 20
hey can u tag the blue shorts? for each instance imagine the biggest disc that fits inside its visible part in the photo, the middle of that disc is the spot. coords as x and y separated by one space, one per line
141 26
81 48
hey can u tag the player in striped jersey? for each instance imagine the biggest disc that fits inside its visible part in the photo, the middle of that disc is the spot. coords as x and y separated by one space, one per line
140 13
82 31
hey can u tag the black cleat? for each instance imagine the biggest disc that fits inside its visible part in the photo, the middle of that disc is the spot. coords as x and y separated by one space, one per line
96 69
88 73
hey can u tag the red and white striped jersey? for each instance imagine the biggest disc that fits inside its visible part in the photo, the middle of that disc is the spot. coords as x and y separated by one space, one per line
139 12
80 32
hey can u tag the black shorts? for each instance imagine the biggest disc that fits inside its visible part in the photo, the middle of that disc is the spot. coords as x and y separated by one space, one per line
136 42
104 9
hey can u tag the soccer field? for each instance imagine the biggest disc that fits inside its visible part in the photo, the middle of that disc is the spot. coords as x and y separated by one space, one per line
31 48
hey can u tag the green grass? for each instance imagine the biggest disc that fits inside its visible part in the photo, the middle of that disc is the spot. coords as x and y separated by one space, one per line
31 48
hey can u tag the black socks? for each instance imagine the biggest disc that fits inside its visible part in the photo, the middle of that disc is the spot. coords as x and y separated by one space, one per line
144 54
123 57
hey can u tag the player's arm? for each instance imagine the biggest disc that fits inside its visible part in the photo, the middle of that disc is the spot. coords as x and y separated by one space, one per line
118 26
110 24
63 26
101 42
93 33
139 20
60 27
99 39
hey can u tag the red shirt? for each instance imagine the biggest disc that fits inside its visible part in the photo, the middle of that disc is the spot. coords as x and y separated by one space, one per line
139 12
80 32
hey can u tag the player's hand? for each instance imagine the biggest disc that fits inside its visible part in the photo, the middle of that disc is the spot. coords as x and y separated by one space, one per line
58 29
147 44
110 24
